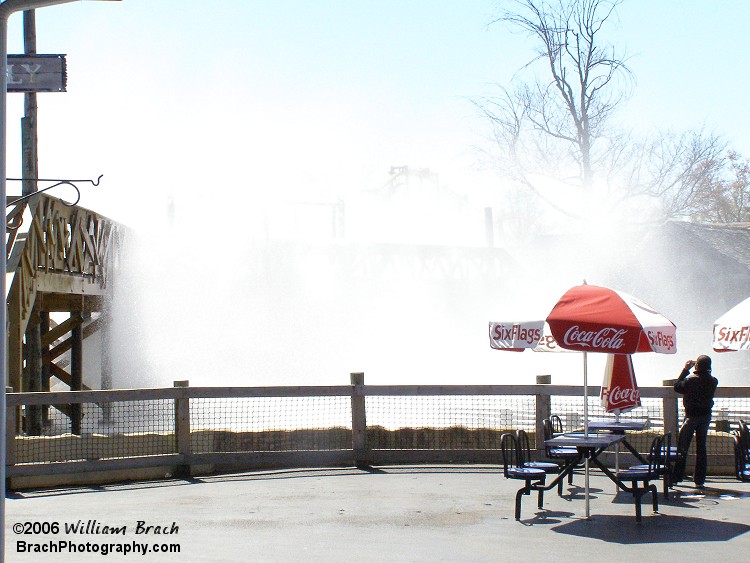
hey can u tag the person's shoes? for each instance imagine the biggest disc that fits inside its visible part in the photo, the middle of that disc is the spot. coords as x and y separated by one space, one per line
700 486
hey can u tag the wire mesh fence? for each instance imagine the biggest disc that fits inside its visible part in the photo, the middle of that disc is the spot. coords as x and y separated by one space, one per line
446 422
137 424
111 430
270 424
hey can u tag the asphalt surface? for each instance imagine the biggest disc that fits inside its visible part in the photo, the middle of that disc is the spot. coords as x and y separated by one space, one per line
421 514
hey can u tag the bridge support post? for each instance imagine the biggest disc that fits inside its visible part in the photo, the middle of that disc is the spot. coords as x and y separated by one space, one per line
44 324
106 358
33 373
76 376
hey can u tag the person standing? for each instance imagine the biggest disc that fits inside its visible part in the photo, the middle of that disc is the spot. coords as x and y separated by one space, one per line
698 399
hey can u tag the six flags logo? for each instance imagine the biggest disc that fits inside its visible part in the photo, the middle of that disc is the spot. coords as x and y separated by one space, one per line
515 332
726 334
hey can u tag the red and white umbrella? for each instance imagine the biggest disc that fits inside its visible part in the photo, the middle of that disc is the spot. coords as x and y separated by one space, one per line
732 329
619 389
590 318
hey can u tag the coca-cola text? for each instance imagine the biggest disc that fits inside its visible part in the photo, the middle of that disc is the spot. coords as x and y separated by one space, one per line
617 397
605 338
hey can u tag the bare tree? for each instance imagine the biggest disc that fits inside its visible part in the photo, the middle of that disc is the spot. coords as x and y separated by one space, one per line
723 195
558 128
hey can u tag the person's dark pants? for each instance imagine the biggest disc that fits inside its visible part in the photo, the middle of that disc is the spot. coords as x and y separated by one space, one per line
697 425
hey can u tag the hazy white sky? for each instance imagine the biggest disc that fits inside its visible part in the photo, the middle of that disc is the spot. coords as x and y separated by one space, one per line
225 103
293 98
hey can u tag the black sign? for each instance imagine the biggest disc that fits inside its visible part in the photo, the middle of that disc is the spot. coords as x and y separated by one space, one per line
37 73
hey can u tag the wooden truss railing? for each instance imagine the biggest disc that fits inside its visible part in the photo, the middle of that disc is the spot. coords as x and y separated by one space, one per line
66 254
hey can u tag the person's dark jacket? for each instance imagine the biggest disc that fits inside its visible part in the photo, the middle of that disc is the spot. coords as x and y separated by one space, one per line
698 390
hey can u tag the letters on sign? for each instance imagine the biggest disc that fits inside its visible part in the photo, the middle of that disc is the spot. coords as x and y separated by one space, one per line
727 334
516 332
36 73
620 398
606 338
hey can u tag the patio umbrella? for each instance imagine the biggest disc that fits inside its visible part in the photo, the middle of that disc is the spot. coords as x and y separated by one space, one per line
591 318
732 329
619 389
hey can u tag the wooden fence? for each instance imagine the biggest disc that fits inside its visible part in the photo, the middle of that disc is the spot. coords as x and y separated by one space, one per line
186 430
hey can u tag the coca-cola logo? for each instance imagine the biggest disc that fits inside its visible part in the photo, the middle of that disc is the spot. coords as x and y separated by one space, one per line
617 396
607 338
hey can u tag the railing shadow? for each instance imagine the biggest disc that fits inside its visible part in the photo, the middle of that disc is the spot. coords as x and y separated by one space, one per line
239 476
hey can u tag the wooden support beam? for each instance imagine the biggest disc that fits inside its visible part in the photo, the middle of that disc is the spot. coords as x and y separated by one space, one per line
65 377
60 373
33 372
61 329
51 354
76 377
44 327
15 338
66 302
93 327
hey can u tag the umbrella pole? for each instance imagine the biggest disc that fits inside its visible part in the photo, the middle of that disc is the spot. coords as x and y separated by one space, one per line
586 429
585 397
617 454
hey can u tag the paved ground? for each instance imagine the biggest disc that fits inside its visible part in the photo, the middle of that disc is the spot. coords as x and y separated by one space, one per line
457 513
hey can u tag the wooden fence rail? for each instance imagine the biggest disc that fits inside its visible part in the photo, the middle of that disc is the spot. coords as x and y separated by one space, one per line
181 452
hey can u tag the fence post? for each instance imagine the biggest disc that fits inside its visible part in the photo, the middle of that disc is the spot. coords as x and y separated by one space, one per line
182 430
669 406
359 419
543 410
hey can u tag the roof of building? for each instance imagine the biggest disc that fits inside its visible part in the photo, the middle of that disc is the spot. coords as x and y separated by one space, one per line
730 240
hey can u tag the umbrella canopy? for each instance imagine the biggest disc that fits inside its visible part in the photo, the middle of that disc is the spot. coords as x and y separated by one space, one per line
591 318
619 389
732 329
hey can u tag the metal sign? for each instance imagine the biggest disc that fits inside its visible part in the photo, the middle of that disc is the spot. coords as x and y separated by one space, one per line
37 73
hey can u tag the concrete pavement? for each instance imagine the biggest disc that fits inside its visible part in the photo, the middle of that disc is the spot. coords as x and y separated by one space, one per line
420 514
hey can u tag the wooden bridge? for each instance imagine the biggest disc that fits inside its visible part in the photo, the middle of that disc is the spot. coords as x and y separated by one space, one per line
60 260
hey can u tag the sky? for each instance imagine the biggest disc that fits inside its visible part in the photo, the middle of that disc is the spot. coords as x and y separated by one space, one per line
223 106
239 97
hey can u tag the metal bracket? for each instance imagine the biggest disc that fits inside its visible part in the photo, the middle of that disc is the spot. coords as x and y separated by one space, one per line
15 219
71 183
